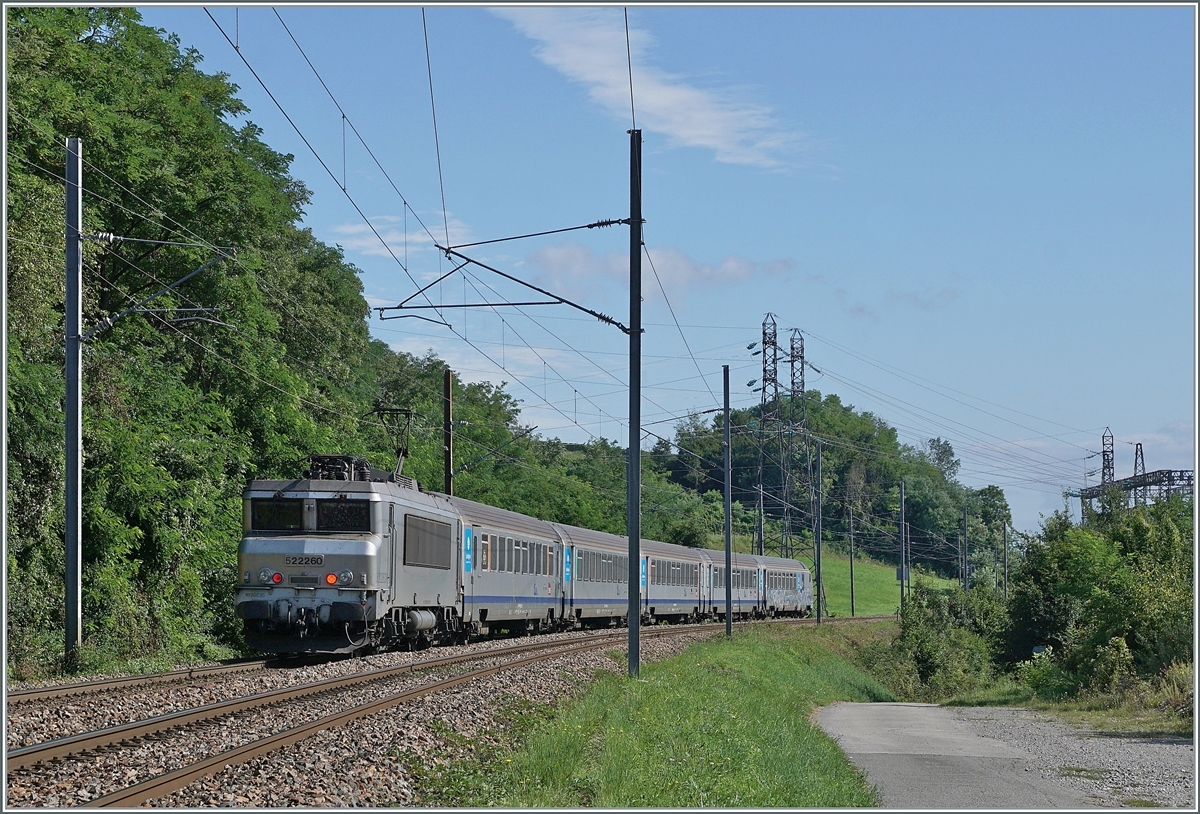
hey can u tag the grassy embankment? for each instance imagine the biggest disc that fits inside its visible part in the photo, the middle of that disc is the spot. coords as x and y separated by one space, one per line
724 724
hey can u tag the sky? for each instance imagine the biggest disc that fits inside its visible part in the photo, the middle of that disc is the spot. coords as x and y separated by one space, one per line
982 220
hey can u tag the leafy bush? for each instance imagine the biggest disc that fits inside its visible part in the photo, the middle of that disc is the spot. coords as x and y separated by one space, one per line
939 650
1047 678
1111 670
1112 597
1175 689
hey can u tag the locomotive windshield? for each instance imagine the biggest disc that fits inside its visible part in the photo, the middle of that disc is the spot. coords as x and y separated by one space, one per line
276 514
344 515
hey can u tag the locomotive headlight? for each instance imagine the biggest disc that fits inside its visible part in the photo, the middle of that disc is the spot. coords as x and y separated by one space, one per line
345 577
264 575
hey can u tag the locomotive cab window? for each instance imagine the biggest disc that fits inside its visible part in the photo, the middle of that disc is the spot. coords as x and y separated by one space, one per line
276 514
344 515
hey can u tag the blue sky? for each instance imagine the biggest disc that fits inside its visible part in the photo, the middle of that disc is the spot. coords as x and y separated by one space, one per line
982 218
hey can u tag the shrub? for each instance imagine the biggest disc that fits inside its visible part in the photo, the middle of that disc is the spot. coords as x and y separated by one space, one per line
1175 689
1045 677
1111 671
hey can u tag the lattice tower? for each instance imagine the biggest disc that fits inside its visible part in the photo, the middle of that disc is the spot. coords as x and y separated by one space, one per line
768 419
1107 468
1139 468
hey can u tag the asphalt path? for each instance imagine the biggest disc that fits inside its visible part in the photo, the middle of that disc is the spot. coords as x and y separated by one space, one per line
923 756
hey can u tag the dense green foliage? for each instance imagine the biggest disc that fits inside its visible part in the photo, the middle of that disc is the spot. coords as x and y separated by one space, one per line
862 466
647 742
1103 610
1112 597
946 643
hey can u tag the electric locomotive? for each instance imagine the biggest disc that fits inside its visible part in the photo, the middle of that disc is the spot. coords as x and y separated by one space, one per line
350 559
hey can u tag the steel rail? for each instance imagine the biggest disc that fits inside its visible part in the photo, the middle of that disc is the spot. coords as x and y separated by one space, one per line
106 684
88 741
173 781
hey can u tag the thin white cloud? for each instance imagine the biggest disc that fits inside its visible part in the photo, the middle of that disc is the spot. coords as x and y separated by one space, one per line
573 270
359 237
856 310
588 46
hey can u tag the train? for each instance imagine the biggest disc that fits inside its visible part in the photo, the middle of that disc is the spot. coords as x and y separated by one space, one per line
353 559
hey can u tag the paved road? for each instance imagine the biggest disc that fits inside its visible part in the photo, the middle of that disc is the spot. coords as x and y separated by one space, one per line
922 756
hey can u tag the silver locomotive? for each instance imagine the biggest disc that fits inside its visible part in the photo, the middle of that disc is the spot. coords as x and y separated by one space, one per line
353 559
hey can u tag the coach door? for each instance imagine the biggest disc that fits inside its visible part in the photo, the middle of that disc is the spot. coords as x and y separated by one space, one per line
568 582
386 556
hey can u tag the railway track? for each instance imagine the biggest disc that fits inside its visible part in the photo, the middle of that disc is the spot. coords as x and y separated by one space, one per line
51 754
165 726
130 732
124 683
14 698
172 781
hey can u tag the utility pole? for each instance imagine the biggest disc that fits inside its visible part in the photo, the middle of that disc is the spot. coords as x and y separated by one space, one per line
74 403
1006 563
728 512
820 586
966 558
633 496
900 574
448 429
75 337
4 410
908 557
851 560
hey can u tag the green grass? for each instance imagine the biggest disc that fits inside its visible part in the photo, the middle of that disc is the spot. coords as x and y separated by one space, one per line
724 724
1108 714
876 591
